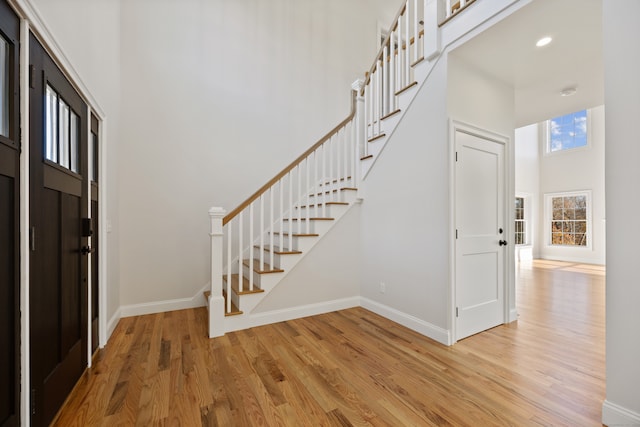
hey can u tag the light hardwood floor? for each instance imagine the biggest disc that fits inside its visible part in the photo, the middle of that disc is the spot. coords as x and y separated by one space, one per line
353 367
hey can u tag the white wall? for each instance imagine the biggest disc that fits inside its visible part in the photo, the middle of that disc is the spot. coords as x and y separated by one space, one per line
92 44
405 213
623 204
576 170
527 172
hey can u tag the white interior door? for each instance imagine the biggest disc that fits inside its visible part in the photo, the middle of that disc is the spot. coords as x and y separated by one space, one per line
480 231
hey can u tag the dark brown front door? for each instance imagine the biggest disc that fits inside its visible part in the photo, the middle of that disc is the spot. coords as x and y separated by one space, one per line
59 265
9 218
94 150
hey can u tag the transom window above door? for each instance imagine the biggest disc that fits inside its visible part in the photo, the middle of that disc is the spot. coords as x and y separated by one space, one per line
62 130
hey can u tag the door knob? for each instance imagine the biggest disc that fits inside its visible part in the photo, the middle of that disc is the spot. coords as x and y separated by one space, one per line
502 243
86 250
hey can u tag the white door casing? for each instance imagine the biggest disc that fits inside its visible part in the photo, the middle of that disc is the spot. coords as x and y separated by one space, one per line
479 296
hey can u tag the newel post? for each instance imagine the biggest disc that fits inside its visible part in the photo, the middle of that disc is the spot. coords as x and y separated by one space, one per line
216 300
434 13
358 121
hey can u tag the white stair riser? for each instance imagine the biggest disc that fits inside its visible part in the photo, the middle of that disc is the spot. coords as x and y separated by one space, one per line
301 227
284 261
299 243
331 211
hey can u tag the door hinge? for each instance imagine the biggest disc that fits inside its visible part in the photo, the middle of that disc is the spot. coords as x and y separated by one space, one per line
32 238
456 156
32 73
456 311
456 233
33 401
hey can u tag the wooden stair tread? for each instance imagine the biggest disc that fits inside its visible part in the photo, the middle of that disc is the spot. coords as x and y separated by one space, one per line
235 285
335 181
320 204
266 267
234 310
409 86
278 251
369 156
375 138
310 219
333 191
298 234
391 114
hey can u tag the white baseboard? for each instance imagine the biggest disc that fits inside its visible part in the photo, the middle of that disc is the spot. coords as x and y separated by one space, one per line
161 306
615 415
113 322
234 323
513 315
425 328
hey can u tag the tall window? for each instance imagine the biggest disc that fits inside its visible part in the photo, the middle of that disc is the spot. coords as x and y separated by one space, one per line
569 219
567 132
521 223
62 131
5 64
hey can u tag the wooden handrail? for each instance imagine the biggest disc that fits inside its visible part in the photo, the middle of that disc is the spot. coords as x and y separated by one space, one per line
293 164
384 43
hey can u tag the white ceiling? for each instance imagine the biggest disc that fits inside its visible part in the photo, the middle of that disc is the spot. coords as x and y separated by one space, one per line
507 52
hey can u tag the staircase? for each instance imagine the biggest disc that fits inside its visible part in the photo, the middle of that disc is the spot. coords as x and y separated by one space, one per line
256 245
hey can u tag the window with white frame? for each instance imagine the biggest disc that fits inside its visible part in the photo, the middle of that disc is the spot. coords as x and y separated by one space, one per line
567 132
521 222
569 219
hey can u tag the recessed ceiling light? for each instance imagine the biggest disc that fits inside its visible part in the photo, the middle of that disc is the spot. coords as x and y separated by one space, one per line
543 41
568 91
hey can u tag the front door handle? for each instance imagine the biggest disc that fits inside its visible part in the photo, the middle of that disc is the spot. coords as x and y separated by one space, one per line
86 250
502 243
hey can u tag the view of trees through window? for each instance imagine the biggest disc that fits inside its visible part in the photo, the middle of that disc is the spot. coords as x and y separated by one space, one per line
521 224
569 220
568 131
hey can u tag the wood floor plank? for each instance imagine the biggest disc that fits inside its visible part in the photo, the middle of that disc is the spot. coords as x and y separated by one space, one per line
355 368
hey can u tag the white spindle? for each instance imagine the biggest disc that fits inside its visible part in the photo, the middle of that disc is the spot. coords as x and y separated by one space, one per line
416 30
392 72
332 144
378 95
251 221
345 154
240 247
448 11
307 188
324 177
229 241
290 210
300 197
281 215
407 56
262 232
385 82
271 224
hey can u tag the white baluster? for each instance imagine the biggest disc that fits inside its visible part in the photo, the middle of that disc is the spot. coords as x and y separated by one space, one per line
240 247
345 154
416 30
324 178
281 213
379 95
392 72
271 224
262 232
400 68
307 188
290 211
229 241
251 221
407 56
385 81
299 196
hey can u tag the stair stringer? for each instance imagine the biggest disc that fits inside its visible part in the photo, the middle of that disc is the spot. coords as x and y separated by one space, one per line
256 307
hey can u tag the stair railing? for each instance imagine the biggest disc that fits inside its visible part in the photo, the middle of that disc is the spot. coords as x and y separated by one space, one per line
267 221
392 70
